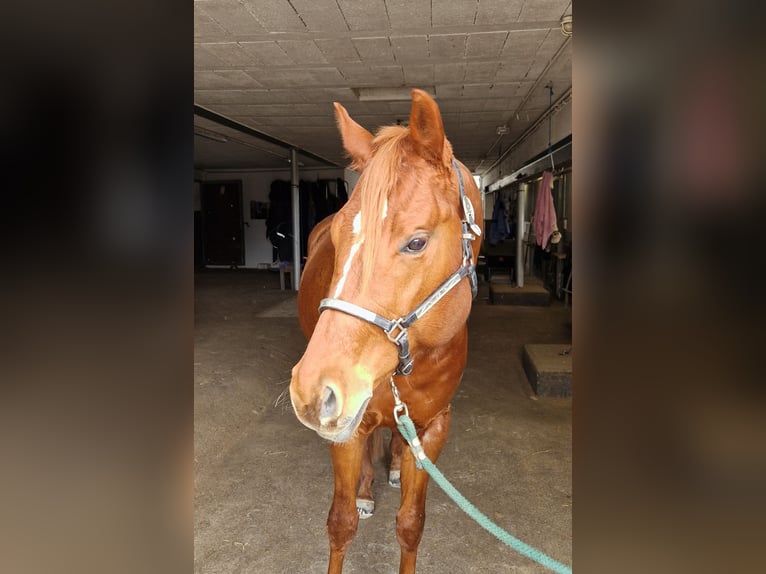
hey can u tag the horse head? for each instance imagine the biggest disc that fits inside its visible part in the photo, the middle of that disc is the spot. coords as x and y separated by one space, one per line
395 242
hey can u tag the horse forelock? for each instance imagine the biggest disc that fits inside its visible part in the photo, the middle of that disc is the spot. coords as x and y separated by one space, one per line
392 157
380 177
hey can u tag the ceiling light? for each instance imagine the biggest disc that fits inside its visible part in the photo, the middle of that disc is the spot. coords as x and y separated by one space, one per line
566 25
388 94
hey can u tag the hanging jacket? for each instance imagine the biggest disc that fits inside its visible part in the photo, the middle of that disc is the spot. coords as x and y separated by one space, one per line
498 230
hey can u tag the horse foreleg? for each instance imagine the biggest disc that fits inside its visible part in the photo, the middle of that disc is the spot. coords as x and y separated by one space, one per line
394 470
412 510
365 504
343 518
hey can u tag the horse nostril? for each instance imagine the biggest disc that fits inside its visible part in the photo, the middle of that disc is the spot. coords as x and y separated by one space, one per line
329 406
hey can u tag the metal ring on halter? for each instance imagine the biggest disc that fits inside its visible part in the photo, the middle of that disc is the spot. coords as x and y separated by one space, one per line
395 338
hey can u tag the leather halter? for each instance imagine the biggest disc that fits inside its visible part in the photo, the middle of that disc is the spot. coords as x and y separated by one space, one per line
396 329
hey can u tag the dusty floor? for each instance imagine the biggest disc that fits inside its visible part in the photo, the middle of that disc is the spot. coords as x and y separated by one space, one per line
264 482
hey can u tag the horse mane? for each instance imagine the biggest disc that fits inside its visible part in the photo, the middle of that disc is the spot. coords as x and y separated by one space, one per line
391 147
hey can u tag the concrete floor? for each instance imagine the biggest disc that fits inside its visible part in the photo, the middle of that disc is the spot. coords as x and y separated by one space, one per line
263 482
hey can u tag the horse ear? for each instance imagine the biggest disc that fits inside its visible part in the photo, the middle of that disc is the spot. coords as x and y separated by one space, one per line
426 128
357 141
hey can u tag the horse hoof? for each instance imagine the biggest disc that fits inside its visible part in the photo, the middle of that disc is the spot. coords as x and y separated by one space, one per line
394 478
365 508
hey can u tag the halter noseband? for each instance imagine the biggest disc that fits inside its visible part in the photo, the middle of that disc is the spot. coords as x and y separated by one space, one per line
396 330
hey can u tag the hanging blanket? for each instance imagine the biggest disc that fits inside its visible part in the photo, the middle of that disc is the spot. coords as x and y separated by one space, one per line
544 219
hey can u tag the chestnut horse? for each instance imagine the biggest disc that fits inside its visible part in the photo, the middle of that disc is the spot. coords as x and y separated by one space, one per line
385 298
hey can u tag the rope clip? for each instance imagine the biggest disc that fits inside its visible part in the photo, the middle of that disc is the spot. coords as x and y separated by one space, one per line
399 406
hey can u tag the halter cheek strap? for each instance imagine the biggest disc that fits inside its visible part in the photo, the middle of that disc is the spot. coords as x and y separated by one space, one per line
396 329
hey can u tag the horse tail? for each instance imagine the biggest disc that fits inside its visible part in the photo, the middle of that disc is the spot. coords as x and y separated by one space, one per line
377 445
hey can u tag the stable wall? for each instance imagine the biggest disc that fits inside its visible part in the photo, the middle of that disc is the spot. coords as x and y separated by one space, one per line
255 187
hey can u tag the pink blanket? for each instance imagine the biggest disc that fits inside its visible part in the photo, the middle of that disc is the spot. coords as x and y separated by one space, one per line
544 218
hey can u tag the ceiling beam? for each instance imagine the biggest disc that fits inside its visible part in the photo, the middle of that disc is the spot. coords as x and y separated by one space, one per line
228 122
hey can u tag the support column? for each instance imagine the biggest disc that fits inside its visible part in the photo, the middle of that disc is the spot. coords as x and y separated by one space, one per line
295 184
521 209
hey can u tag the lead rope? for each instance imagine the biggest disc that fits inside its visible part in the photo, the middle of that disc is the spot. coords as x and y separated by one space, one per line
407 428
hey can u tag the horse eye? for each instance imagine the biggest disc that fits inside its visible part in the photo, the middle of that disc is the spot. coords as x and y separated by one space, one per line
417 245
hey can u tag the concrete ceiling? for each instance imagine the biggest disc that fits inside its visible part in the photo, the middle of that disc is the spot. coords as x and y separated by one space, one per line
276 66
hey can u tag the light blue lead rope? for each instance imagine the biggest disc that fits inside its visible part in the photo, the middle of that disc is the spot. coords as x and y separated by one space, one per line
407 428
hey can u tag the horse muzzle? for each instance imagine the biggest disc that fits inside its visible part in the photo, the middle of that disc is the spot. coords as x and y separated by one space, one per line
344 428
332 414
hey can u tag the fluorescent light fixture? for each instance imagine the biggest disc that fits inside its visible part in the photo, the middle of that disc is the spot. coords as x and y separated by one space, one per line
388 94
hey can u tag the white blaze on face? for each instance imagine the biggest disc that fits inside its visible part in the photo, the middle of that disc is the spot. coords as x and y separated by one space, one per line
358 240
385 210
